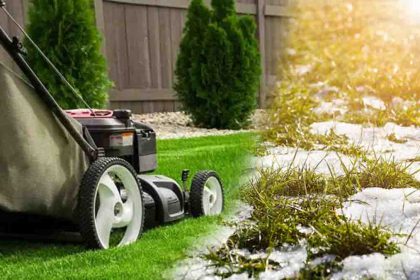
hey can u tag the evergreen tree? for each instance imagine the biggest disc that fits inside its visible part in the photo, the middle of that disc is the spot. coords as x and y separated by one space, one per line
191 56
218 67
65 30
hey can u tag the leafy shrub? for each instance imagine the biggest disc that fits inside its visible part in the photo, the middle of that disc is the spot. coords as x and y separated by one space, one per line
65 30
218 66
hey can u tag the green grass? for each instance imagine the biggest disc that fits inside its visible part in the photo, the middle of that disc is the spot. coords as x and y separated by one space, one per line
159 248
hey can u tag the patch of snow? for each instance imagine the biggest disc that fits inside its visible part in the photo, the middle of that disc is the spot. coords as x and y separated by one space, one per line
305 230
377 266
243 276
375 139
325 92
374 102
414 169
323 162
401 104
291 262
335 107
322 260
362 267
302 70
291 52
401 132
399 211
195 267
396 209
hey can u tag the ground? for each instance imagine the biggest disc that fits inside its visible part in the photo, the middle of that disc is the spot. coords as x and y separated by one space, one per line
371 179
159 248
179 125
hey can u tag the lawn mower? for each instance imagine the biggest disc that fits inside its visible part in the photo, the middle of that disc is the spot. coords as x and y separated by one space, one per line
84 170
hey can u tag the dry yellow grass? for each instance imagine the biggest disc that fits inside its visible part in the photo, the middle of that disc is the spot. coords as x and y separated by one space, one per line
350 49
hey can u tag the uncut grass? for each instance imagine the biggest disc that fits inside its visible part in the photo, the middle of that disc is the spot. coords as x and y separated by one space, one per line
358 48
159 248
387 174
289 125
286 200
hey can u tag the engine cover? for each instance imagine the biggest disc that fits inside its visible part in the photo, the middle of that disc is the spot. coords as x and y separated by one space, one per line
120 136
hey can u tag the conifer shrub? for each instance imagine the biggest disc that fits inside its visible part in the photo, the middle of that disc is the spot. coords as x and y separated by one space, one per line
65 31
218 67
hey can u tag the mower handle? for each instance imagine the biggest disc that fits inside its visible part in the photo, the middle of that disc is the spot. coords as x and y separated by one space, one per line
12 48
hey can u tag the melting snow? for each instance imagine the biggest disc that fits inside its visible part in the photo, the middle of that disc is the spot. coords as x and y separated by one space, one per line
376 138
323 162
335 107
397 210
374 102
291 262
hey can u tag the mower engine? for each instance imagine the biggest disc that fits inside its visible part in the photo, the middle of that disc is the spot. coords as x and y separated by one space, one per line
119 136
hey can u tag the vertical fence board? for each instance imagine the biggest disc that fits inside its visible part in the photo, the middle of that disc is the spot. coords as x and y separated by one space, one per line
165 47
176 34
154 47
138 47
116 49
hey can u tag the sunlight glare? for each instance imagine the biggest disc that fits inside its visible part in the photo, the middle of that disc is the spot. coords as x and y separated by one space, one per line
413 9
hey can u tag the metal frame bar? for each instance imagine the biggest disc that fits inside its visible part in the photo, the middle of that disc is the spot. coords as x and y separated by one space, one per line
12 48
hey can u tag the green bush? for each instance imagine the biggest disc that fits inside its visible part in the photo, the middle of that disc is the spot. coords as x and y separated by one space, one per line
65 30
218 67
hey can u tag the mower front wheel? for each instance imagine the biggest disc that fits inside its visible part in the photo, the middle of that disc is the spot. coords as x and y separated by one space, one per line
206 195
110 208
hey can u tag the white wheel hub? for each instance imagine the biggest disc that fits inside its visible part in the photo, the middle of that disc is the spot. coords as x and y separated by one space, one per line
118 205
212 197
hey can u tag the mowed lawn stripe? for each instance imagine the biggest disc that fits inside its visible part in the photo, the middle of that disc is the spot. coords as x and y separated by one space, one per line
159 248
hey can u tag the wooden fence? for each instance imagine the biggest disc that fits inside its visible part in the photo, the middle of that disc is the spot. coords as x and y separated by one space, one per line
18 8
141 42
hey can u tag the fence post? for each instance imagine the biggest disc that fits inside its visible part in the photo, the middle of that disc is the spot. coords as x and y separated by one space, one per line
100 24
261 38
25 4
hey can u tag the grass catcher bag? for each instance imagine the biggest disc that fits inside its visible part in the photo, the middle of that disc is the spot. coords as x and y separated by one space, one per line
41 166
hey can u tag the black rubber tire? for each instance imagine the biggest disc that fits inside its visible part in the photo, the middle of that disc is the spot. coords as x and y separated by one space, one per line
197 191
86 199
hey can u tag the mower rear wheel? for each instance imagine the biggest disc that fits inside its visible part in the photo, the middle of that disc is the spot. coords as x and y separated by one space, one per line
206 195
110 207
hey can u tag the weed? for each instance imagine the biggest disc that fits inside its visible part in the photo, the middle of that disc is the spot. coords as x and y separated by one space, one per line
386 174
393 138
289 122
415 159
320 271
343 238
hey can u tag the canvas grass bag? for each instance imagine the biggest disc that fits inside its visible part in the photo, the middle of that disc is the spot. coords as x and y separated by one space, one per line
41 166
